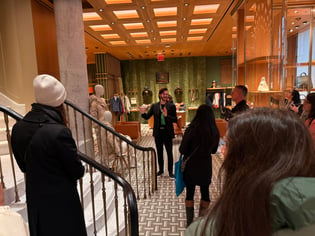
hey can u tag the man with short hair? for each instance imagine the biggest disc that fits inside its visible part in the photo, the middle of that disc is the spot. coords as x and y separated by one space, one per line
239 94
164 114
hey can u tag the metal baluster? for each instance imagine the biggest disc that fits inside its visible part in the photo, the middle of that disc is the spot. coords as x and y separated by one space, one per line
104 204
92 198
125 215
116 208
6 119
137 182
149 176
144 179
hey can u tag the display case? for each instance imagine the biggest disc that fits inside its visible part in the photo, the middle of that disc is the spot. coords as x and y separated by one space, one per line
266 54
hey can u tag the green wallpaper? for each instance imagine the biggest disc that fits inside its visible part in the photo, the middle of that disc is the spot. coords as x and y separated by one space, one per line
187 73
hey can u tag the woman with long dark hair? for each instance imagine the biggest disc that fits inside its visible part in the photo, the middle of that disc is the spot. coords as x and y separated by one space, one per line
309 107
268 178
200 140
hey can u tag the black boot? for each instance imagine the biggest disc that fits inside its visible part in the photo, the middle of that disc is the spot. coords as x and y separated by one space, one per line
189 211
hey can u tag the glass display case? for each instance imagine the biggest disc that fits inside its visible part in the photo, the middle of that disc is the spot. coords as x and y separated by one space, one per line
270 56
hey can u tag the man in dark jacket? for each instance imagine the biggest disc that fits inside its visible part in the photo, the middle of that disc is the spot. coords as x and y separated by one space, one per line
163 130
46 152
239 94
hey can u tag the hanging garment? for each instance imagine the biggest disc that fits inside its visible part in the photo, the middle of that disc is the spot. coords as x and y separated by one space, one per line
115 104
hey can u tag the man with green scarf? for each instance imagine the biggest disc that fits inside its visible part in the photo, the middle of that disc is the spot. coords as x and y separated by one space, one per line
163 130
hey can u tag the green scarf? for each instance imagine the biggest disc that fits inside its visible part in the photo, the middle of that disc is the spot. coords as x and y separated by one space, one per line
162 116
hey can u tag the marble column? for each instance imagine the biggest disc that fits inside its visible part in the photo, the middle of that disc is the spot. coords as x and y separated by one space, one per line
71 55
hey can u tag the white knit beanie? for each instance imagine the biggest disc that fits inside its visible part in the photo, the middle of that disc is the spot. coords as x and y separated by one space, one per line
49 91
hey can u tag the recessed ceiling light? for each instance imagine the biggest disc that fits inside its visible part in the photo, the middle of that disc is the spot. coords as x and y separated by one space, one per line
290 30
118 1
297 26
117 42
126 14
197 31
167 11
292 23
305 22
186 4
162 24
110 36
197 38
296 11
152 31
167 45
113 23
143 7
204 21
184 18
87 16
100 27
205 9
133 25
141 41
166 40
148 20
139 34
101 9
168 32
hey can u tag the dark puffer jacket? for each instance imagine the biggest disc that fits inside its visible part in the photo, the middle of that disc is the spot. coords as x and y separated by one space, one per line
45 150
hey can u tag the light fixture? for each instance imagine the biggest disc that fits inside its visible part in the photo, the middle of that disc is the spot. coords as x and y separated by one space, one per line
143 7
184 18
290 30
297 26
167 45
113 23
101 9
186 4
305 22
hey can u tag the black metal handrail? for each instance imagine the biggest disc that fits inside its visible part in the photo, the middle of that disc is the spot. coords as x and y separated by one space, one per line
128 191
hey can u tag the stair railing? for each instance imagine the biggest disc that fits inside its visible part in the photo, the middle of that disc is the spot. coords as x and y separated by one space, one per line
108 200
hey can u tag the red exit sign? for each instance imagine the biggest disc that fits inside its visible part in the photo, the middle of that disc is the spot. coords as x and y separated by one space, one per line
160 57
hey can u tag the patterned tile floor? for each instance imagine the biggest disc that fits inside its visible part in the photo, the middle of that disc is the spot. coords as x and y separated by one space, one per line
164 213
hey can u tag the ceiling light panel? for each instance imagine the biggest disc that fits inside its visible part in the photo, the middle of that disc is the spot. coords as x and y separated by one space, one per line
118 1
206 9
126 14
162 24
204 21
168 32
139 34
100 27
133 26
117 42
197 31
167 11
197 38
142 41
168 40
110 36
87 16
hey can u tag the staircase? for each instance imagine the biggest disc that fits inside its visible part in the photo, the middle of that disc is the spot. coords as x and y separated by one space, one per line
106 210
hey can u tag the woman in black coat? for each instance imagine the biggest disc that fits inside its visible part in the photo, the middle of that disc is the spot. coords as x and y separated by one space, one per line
45 150
200 140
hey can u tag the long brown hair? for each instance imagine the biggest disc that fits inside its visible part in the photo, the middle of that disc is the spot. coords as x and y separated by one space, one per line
263 146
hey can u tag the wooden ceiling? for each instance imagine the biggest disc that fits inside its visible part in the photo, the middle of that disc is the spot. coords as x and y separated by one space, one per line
173 28
177 28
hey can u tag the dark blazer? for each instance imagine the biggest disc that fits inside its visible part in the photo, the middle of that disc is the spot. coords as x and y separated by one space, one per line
171 118
239 107
45 150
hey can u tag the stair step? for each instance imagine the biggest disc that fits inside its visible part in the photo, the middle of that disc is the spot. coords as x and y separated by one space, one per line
4 148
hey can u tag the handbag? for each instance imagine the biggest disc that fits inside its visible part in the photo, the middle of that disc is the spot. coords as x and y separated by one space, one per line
185 160
179 177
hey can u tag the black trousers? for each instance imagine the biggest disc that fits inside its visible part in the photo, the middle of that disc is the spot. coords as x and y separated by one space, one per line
204 190
162 138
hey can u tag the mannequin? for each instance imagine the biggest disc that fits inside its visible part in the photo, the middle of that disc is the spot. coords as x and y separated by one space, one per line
111 147
97 108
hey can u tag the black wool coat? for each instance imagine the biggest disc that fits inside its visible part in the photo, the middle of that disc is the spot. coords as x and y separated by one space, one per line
45 150
171 118
198 169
